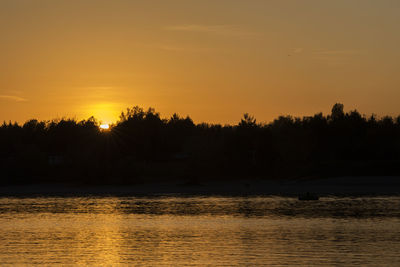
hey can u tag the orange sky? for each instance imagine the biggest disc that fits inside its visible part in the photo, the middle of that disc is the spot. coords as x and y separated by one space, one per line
212 60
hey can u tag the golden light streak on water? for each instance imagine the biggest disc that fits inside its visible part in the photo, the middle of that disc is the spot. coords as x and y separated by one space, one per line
200 231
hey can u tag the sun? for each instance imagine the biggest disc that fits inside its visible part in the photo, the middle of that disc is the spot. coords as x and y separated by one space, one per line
104 126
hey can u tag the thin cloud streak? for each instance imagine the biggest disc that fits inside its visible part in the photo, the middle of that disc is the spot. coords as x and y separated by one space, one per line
297 50
336 57
337 52
13 98
189 49
215 29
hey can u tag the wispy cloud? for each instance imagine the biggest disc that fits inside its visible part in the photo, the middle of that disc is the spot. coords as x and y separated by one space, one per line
182 48
13 98
214 29
297 50
337 52
336 57
171 47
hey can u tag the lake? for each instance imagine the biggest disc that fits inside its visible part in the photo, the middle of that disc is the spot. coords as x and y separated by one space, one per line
200 231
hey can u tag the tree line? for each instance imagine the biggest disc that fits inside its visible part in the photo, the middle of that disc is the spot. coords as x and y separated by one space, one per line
142 147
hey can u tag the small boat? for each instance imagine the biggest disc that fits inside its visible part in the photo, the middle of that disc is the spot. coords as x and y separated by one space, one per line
308 196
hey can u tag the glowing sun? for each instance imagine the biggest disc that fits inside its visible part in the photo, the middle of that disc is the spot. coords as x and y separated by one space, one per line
104 126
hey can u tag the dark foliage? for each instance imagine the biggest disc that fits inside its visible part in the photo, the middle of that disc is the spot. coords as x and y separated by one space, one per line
142 146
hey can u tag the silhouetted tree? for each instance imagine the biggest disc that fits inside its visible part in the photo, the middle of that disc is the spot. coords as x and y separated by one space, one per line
247 121
337 111
142 145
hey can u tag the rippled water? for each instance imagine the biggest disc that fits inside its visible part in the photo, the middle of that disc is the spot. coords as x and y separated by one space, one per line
271 231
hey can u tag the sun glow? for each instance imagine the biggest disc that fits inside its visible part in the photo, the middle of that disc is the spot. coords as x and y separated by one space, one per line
106 112
104 126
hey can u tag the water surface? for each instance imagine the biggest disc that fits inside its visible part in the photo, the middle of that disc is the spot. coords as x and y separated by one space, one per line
178 231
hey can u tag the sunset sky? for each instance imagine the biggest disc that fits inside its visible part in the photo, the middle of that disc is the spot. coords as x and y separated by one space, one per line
212 60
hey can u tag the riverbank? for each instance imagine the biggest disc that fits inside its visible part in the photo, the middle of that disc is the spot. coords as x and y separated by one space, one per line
369 185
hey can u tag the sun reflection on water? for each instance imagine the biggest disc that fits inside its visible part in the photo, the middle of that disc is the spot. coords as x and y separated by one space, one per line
199 231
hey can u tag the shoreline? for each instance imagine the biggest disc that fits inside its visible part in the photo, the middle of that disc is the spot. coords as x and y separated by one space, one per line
340 186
